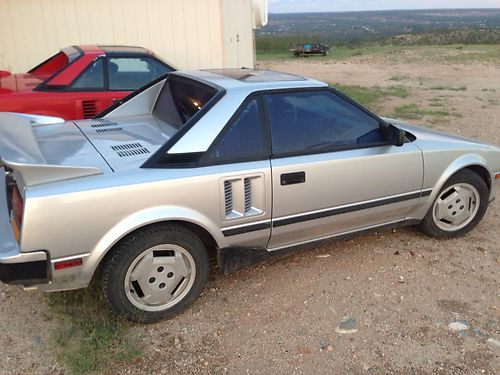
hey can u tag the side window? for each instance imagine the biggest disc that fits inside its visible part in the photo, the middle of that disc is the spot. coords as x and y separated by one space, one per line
131 73
243 140
92 78
318 121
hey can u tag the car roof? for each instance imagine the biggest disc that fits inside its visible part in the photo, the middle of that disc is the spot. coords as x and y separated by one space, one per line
112 50
251 79
124 50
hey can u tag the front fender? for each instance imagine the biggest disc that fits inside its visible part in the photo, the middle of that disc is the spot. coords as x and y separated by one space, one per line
463 161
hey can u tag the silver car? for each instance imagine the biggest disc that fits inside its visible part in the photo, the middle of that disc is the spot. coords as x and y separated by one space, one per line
237 163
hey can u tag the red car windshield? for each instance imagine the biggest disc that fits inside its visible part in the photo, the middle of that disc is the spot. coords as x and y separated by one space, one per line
51 65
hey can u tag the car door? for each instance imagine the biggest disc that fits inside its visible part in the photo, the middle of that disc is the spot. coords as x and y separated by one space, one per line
333 170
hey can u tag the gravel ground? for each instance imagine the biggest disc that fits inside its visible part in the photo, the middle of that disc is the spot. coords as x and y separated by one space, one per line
377 304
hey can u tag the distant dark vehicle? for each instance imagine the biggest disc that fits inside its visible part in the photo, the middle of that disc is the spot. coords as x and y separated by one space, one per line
309 49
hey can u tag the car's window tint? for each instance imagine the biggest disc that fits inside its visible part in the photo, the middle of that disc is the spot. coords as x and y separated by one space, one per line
243 139
179 100
312 121
130 73
92 78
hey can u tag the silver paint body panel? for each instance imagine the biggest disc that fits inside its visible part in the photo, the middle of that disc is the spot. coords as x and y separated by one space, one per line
81 196
334 180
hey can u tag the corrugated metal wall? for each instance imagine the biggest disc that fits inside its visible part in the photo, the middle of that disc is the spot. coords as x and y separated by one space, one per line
190 34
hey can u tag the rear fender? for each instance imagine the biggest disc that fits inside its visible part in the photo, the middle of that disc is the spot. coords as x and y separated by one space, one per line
136 221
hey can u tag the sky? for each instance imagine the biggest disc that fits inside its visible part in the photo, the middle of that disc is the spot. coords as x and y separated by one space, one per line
290 6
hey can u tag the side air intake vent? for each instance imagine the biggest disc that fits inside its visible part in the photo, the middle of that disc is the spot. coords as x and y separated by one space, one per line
248 194
89 108
243 197
103 124
228 197
130 149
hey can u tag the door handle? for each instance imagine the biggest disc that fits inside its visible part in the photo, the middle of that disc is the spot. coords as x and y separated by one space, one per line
293 178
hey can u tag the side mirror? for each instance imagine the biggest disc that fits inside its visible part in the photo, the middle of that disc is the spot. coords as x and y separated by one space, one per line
397 136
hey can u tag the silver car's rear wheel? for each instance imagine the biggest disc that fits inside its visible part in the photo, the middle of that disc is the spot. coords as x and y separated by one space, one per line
155 272
160 277
456 207
459 206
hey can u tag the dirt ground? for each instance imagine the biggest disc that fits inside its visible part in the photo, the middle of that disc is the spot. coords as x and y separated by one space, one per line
377 304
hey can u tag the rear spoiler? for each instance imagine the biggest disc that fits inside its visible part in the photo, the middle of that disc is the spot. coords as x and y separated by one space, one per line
20 152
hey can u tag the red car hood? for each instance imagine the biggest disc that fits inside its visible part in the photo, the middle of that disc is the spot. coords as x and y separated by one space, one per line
19 82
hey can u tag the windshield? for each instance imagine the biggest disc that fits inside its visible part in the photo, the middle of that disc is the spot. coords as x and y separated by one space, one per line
180 99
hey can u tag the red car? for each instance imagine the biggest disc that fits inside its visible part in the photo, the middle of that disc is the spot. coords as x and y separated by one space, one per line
79 81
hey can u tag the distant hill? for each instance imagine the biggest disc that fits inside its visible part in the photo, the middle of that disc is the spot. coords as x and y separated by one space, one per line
469 25
444 37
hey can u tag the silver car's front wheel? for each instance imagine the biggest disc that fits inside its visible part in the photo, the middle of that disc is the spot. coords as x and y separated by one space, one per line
459 206
456 207
155 272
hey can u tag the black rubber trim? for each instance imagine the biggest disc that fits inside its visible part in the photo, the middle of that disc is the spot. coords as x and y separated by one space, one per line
426 193
344 210
28 273
318 215
246 229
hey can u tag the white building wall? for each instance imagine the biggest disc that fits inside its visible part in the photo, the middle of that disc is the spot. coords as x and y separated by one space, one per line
189 34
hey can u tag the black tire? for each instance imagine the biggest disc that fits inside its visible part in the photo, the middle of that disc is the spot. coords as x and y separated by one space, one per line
438 227
136 251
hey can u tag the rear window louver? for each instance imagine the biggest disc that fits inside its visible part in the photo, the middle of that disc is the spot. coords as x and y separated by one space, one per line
109 130
103 124
130 149
106 127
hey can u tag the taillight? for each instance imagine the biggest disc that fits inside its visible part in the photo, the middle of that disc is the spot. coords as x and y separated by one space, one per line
17 205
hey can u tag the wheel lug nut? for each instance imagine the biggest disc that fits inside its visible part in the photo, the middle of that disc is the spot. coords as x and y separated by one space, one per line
151 280
160 269
170 275
162 285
